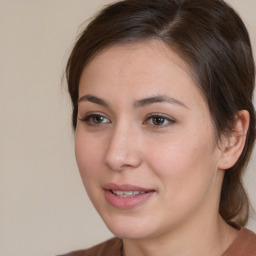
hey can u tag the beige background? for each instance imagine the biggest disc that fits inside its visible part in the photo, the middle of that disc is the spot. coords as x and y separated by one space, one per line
43 207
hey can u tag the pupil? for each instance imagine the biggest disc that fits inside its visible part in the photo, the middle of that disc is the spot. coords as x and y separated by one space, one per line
158 120
98 119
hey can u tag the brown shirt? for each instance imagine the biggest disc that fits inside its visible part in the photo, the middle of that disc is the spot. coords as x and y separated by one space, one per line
244 245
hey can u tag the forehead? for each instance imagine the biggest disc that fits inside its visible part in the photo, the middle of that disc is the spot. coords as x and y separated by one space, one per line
151 52
136 69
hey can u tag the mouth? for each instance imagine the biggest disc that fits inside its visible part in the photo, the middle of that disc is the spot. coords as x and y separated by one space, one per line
126 196
127 193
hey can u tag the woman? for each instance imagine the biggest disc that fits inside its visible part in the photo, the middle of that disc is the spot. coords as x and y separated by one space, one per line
165 125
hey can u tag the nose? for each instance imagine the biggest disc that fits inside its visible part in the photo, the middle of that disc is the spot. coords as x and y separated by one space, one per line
123 151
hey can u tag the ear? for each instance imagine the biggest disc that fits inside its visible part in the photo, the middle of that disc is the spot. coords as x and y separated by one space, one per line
234 142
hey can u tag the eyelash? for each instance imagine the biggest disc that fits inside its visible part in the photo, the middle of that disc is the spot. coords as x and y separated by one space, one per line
167 121
88 119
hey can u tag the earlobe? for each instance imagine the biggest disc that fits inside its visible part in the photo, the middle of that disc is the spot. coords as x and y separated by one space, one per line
235 141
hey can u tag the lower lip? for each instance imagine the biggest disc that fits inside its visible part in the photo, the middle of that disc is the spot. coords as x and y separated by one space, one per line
127 202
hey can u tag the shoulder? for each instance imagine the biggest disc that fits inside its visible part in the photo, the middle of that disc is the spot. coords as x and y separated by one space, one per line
244 244
250 240
111 247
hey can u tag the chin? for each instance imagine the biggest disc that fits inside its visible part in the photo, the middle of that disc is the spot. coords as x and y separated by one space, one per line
129 233
130 228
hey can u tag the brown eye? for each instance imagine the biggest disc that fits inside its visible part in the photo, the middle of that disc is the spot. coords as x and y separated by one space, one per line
158 120
95 119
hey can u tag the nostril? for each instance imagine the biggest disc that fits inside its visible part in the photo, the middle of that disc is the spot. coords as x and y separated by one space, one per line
120 160
122 150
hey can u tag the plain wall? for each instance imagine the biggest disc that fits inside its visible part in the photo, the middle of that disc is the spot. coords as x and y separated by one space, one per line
44 209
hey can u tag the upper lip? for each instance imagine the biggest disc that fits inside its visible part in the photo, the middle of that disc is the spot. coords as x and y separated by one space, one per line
125 187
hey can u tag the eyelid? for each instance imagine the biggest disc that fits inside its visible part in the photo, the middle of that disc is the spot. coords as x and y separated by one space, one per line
88 116
86 119
170 120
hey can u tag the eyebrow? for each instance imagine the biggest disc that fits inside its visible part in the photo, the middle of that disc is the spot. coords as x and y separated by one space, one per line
138 103
157 99
93 99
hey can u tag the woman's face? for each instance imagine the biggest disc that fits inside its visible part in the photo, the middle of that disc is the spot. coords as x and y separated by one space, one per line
145 142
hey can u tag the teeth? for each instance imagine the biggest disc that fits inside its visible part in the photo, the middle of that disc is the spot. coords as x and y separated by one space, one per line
127 193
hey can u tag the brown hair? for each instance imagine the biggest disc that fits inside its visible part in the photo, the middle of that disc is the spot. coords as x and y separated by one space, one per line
210 36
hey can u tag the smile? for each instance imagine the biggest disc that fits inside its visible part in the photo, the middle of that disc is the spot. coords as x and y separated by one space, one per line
127 193
126 196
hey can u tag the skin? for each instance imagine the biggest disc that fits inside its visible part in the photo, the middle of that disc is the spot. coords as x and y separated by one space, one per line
177 155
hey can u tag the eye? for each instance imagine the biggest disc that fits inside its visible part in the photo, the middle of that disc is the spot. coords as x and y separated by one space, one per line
158 121
95 119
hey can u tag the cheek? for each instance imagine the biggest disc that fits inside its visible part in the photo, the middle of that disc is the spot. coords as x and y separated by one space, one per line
186 174
184 163
88 155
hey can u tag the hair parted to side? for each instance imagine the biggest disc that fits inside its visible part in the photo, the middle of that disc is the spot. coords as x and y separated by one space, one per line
210 36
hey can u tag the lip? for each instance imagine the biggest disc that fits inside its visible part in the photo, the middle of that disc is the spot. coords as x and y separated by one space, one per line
125 187
126 202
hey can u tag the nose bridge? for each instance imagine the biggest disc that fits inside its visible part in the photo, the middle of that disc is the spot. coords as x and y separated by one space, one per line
123 149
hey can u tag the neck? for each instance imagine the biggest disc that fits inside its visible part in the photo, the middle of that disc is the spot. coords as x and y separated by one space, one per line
211 238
